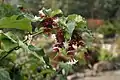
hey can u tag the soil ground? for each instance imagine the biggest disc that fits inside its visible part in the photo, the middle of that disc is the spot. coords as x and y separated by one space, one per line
109 75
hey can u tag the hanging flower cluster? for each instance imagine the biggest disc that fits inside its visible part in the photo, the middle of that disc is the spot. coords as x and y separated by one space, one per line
68 30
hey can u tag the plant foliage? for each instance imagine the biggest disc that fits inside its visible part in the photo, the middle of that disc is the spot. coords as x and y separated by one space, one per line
28 61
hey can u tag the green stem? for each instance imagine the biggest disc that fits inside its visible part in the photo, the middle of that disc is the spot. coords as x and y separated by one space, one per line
37 33
17 47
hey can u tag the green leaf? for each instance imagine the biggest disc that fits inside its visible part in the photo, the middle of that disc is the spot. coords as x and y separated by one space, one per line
7 41
12 22
75 17
78 21
71 26
62 77
56 12
39 51
62 21
47 61
7 45
46 58
72 17
26 49
4 75
47 71
82 26
16 73
8 35
67 67
29 16
67 35
47 11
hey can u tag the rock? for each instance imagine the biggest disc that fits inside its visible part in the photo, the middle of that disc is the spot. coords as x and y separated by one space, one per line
76 76
103 66
89 73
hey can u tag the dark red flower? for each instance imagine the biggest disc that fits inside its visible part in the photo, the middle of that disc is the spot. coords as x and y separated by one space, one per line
80 43
60 45
49 25
71 42
87 56
60 36
48 22
70 48
42 15
47 31
72 52
55 49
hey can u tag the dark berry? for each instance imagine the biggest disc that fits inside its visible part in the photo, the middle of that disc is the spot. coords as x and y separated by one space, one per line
38 69
45 75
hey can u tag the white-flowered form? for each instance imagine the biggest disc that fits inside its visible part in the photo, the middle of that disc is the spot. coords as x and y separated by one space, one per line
66 45
41 13
53 36
36 18
72 61
56 20
75 46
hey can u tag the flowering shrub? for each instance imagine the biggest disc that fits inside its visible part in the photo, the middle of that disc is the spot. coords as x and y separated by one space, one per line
26 60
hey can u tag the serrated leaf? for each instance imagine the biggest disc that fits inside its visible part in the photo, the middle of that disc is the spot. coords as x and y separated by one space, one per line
12 22
4 75
39 51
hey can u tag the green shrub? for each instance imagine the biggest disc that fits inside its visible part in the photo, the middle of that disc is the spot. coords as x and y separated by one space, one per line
107 29
105 55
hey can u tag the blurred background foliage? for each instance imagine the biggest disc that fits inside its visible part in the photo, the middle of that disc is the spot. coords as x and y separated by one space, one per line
100 9
97 12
